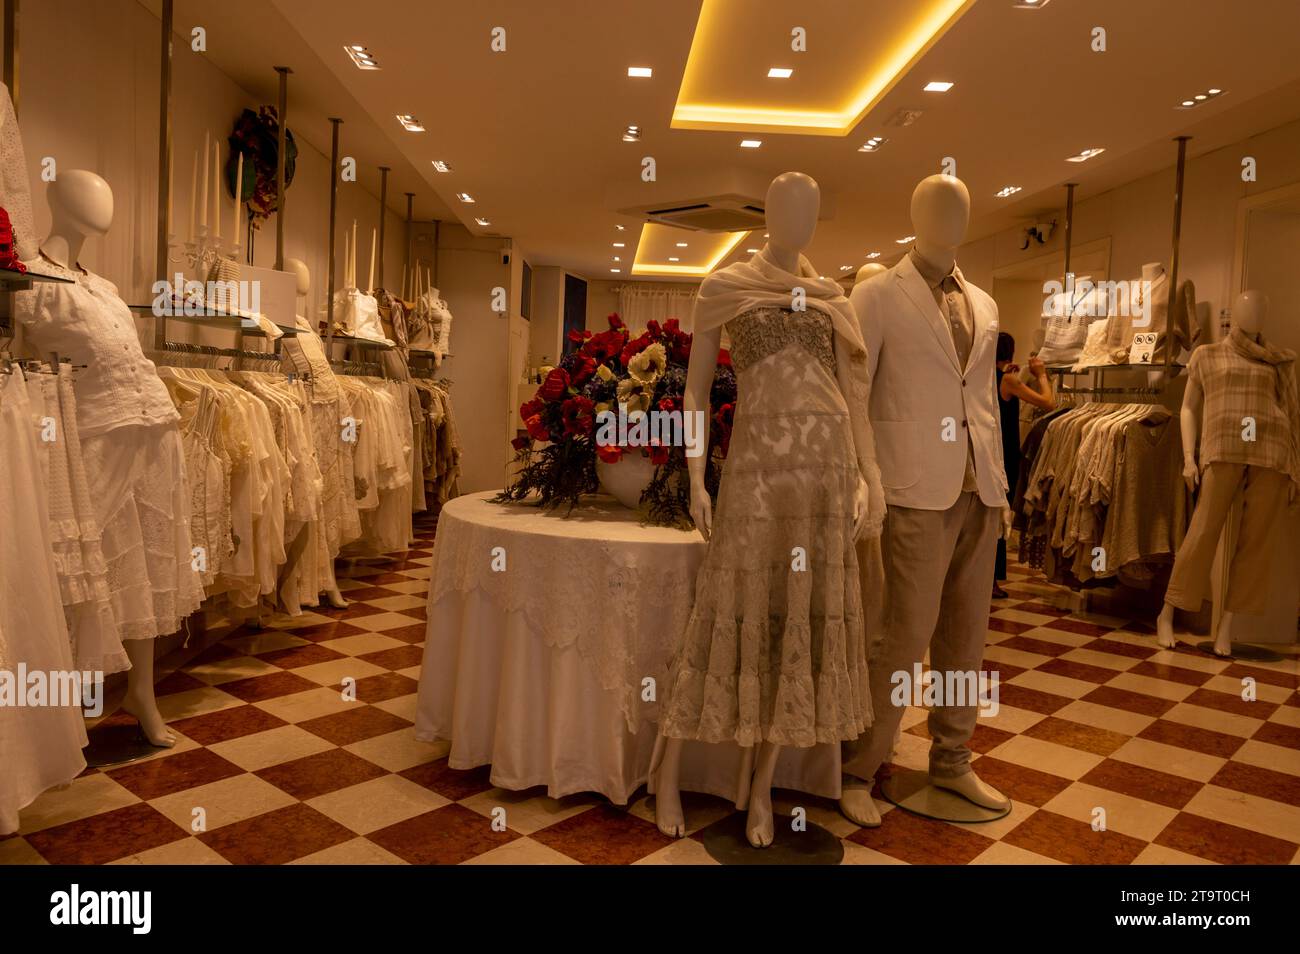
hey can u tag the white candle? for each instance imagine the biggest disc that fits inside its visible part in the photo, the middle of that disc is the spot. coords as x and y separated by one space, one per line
217 178
194 192
374 240
239 190
203 203
170 181
352 265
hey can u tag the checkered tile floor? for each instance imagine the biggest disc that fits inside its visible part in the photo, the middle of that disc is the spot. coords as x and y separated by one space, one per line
1093 715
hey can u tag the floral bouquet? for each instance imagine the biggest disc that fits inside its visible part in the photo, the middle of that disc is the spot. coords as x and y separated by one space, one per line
612 396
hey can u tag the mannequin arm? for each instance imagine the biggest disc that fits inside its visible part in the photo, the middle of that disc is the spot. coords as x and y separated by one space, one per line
1189 423
699 380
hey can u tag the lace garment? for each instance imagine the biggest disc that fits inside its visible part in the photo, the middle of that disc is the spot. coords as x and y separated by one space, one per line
15 191
774 648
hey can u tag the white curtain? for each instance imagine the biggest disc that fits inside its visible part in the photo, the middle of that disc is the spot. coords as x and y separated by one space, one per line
639 303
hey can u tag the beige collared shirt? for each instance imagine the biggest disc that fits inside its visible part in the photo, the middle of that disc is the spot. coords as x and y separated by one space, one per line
956 314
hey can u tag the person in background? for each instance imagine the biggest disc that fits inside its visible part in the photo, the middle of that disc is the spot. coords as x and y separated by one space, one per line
1011 391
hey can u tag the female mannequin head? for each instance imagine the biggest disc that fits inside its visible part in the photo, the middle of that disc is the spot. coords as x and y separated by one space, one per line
81 207
1249 310
869 270
298 268
793 202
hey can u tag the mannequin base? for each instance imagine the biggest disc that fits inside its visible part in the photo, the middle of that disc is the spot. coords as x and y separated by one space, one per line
911 791
1242 651
117 745
727 844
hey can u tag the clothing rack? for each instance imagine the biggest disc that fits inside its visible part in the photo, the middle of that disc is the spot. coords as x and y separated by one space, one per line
370 369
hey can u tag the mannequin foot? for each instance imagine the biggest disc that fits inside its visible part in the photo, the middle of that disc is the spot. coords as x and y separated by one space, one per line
336 599
970 787
668 812
1223 637
152 726
759 827
999 593
856 803
1165 628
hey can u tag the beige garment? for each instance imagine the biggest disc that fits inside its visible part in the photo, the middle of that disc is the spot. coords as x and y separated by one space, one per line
924 553
961 325
1264 495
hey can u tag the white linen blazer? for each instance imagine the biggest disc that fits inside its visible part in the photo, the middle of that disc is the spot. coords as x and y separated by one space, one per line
923 404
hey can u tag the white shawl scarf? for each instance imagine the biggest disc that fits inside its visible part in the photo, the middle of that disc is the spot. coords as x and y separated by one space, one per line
760 282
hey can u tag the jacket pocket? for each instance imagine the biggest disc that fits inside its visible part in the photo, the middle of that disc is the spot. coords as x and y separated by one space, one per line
896 452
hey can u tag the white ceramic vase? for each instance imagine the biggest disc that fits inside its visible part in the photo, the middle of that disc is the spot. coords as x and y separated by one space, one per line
626 480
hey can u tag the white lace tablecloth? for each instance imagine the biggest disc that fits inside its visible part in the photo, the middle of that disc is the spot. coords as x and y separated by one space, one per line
542 631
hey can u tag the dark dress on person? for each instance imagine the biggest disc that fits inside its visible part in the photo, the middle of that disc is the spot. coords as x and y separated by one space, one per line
1009 412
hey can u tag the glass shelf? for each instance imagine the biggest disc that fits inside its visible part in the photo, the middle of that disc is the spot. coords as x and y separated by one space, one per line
359 342
21 281
217 319
1154 366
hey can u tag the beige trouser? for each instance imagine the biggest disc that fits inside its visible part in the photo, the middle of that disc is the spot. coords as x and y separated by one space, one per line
937 576
1264 496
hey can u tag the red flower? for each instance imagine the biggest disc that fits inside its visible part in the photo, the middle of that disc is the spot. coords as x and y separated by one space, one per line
668 404
537 430
615 322
555 386
679 349
579 417
634 348
582 367
654 329
672 326
724 357
723 417
521 442
659 454
605 345
609 453
531 408
578 337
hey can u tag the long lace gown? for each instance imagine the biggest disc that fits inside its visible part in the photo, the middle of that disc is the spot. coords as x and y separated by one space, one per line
774 649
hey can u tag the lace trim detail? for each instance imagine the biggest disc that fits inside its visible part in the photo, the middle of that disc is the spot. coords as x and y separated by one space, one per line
761 332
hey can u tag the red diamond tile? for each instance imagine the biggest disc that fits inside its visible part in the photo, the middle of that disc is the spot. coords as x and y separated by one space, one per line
399 657
1078 626
1262 782
1137 702
1077 670
1184 677
1116 648
106 837
179 681
354 725
272 686
1172 791
277 837
1040 608
1227 702
1190 737
227 724
1015 627
296 657
922 841
1073 842
320 632
1226 844
603 835
445 836
1027 644
1269 677
1019 783
388 685
1019 697
173 773
320 774
449 782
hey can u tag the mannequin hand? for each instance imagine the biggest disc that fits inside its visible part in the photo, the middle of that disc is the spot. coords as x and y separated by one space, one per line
701 509
861 508
1007 519
1191 475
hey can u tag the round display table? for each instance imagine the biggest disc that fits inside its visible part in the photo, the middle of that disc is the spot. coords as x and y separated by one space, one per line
548 639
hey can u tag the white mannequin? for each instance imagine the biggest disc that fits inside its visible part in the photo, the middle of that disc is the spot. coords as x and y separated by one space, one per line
81 206
1248 313
940 212
303 274
792 206
869 270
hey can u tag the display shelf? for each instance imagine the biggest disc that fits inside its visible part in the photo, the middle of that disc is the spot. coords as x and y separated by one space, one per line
12 281
425 353
361 342
219 320
1067 369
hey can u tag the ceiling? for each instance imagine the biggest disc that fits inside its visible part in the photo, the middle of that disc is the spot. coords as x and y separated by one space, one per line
534 132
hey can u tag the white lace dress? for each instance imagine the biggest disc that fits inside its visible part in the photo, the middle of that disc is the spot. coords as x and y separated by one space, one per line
774 649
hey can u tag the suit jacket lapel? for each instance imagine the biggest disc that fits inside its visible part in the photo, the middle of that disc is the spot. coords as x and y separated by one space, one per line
979 320
918 292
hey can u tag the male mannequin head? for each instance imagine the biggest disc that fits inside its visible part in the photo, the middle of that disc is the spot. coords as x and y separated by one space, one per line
940 214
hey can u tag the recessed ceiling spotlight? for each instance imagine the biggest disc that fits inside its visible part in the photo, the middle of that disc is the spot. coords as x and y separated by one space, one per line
681 244
673 258
465 197
1087 154
905 240
938 86
618 244
750 143
441 166
1006 191
361 57
872 144
620 228
616 270
873 255
752 251
409 122
632 134
640 72
846 268
617 258
1198 98
482 222
780 72
1030 4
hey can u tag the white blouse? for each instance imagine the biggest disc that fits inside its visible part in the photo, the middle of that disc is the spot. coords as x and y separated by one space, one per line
87 322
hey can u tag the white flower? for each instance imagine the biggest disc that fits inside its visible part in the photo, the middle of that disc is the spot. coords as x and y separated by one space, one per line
647 366
629 393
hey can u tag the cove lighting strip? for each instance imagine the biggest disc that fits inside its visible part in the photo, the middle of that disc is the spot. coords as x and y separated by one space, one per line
726 244
933 18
